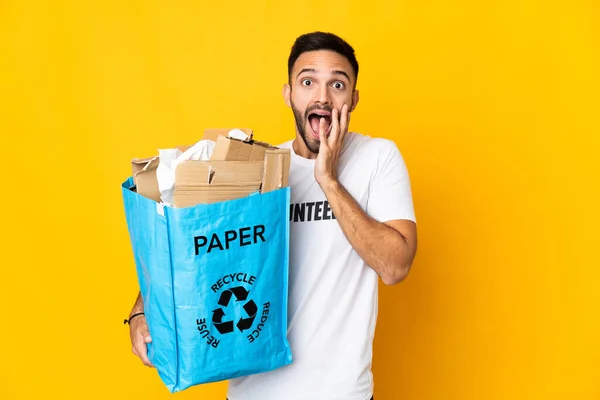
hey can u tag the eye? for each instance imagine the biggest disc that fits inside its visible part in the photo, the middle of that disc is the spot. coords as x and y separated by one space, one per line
339 85
306 82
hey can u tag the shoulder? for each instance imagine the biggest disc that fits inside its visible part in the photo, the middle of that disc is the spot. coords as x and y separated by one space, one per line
366 146
378 157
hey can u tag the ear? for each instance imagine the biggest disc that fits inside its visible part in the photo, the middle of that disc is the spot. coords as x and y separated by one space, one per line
287 94
354 100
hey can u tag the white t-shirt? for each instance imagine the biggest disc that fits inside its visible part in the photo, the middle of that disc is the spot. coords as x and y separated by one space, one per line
332 292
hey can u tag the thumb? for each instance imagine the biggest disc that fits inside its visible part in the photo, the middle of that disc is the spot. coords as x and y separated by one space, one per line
147 338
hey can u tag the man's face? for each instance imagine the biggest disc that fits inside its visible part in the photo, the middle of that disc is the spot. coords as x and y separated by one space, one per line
320 81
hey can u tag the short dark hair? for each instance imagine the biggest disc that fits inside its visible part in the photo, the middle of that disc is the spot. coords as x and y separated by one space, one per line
321 41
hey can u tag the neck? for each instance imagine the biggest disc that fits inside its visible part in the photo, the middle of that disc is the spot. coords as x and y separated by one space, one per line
300 148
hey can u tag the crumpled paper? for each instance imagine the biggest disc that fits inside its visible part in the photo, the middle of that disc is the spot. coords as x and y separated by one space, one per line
171 158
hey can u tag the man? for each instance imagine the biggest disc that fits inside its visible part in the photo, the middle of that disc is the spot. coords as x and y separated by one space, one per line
352 221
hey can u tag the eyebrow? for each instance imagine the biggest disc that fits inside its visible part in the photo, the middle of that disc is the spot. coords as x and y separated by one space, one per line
306 70
334 72
338 72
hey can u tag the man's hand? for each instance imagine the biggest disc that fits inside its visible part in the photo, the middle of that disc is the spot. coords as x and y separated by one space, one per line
140 337
331 146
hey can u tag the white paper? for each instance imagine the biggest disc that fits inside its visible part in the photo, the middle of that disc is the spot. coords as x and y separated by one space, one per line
171 158
237 134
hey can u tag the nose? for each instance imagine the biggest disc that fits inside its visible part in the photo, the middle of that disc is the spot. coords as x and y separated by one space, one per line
323 95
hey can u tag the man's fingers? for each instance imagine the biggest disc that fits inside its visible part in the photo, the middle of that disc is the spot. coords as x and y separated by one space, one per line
335 125
322 136
140 337
344 121
140 349
146 361
143 331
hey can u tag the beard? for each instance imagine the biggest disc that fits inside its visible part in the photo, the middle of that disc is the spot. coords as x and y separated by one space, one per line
301 118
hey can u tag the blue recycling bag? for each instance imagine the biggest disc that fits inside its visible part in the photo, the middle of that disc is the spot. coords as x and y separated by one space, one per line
214 280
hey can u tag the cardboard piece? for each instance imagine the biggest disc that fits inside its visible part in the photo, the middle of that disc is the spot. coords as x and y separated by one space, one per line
276 169
200 182
227 149
236 169
144 177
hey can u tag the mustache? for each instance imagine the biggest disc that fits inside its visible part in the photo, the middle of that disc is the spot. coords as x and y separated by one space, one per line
315 108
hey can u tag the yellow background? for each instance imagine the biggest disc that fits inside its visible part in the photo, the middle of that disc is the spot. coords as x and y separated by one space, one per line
494 105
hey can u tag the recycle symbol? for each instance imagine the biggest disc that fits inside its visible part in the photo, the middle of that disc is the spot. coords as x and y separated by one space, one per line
240 294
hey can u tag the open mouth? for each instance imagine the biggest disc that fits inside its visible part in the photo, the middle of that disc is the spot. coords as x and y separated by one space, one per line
314 118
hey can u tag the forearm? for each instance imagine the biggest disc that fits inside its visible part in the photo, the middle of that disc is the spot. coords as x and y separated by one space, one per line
384 249
139 305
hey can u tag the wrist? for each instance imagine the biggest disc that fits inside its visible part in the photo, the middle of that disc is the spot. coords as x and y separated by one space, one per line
132 316
329 184
136 310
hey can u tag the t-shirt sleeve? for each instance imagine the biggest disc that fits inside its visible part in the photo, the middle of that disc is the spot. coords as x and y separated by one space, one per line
390 194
